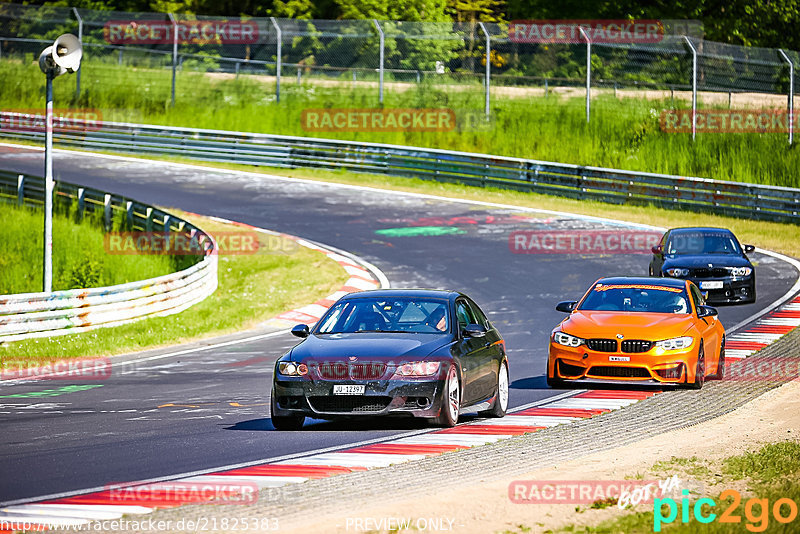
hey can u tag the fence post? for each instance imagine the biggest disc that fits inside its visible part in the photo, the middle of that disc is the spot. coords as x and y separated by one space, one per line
791 94
694 86
80 38
81 202
107 211
380 67
588 73
279 38
174 53
21 189
488 65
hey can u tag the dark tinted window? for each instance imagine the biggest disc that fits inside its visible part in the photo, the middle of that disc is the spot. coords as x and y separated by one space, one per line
386 315
636 298
695 243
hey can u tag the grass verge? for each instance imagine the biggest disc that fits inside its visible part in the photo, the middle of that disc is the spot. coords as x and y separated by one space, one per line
79 256
623 134
761 478
252 288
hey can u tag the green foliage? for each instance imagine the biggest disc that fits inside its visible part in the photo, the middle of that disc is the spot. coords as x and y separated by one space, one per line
79 255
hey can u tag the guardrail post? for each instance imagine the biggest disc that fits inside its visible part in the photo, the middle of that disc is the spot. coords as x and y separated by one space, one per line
80 38
81 202
694 86
791 94
107 211
129 214
167 223
488 65
588 72
148 220
21 189
279 38
174 53
380 67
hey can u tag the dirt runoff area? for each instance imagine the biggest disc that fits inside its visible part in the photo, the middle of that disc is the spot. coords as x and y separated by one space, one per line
773 417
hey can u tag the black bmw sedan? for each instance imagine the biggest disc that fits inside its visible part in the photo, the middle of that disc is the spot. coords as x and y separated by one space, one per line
712 258
414 352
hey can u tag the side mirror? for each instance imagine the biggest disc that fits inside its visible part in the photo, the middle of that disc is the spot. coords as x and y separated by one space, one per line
706 311
749 248
301 330
567 306
656 249
474 330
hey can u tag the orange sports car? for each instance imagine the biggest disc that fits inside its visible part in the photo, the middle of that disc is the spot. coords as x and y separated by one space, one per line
638 331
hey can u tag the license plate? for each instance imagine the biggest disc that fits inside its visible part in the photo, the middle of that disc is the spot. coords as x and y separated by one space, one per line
712 284
348 389
619 358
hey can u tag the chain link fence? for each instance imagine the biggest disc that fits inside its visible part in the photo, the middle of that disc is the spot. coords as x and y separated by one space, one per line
492 60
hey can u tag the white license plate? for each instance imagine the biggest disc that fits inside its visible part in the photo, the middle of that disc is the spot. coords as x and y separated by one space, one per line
712 284
348 389
619 358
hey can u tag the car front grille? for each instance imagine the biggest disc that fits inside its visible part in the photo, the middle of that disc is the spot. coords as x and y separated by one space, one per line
636 345
352 371
349 403
609 371
602 345
704 272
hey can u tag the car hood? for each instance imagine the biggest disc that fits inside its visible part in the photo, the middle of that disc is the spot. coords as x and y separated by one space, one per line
632 325
368 346
717 260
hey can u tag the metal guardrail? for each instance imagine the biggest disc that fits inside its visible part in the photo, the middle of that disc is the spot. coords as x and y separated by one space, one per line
736 199
34 315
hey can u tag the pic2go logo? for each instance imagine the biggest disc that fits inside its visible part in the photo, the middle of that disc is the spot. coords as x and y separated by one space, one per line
756 511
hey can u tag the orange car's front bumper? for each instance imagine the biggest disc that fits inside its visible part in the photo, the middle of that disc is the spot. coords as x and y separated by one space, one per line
655 365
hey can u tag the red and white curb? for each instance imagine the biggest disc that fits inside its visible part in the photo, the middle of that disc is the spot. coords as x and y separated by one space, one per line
363 277
764 331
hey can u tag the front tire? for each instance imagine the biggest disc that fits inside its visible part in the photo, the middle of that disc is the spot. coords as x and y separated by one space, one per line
285 422
500 404
700 370
450 401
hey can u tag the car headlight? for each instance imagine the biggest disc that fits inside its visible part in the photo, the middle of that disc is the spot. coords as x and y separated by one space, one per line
741 271
677 272
562 338
292 369
418 369
676 343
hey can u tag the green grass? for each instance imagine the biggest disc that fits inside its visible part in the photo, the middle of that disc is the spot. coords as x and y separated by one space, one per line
622 134
79 256
772 473
252 288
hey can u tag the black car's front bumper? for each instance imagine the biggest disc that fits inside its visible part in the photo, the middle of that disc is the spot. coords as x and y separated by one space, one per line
315 398
733 290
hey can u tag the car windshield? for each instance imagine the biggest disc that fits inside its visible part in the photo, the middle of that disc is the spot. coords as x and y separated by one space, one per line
695 243
403 314
636 298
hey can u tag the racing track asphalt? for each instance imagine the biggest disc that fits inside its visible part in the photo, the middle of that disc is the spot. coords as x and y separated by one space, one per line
210 409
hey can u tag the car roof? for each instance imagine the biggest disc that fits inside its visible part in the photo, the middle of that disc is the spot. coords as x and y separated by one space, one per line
700 229
395 293
644 280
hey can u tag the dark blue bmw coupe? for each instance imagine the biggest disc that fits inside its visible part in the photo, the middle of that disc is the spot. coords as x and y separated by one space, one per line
414 352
